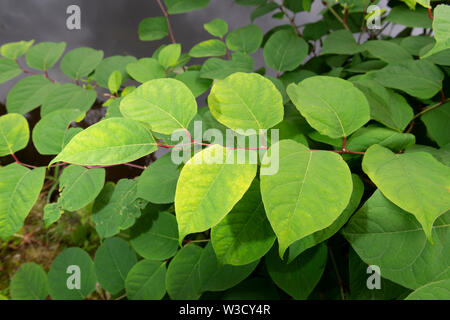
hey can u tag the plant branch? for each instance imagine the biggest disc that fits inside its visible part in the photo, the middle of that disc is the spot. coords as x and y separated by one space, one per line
291 19
344 23
166 15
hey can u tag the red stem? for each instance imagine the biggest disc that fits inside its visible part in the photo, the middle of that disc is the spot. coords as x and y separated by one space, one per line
166 15
429 14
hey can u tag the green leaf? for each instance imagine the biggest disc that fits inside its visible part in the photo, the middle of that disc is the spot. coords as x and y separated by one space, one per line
436 121
209 48
14 50
9 69
169 55
245 234
68 265
290 195
319 236
416 182
52 213
79 186
217 28
80 62
246 101
182 279
418 78
214 276
158 182
285 51
145 69
109 65
362 139
44 55
19 190
414 44
68 96
165 105
386 106
114 81
442 154
340 42
153 29
182 6
51 133
298 278
409 18
263 10
247 39
215 68
332 106
28 94
113 260
437 290
146 281
380 228
387 51
108 142
194 82
200 202
14 133
29 283
116 208
441 29
155 235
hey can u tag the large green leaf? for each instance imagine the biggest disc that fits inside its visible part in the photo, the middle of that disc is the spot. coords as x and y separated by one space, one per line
386 106
9 69
109 65
14 133
215 68
182 6
80 62
441 29
68 265
155 235
182 279
437 121
28 94
164 104
290 196
200 200
214 276
384 235
116 208
416 182
418 78
285 50
145 69
409 18
45 54
68 96
113 260
217 27
387 51
158 182
332 106
317 237
437 290
51 132
246 101
246 39
299 277
79 186
154 28
19 190
108 142
14 50
340 42
244 235
146 281
29 283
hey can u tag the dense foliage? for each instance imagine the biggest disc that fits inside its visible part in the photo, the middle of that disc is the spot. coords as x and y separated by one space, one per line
362 157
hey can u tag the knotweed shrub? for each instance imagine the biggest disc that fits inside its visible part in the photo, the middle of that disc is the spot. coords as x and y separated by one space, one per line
322 175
